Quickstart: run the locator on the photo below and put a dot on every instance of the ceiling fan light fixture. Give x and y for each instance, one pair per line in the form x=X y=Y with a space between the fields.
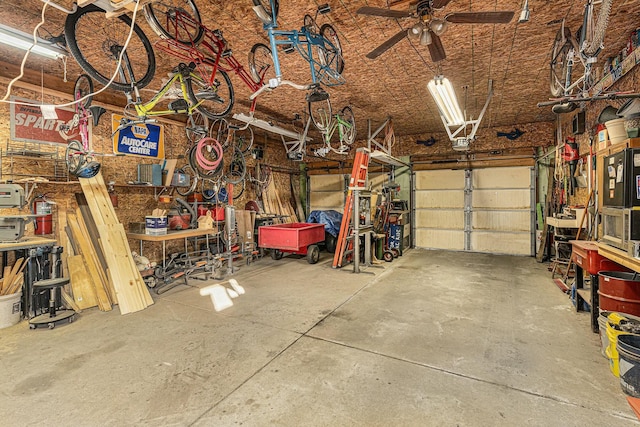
x=425 y=37
x=415 y=31
x=438 y=26
x=445 y=97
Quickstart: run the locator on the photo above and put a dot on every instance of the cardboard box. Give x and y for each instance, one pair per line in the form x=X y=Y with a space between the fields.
x=246 y=221
x=155 y=225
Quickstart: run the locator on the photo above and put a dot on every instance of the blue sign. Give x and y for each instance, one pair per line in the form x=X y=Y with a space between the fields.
x=146 y=139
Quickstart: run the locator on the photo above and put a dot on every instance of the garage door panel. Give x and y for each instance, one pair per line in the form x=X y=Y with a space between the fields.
x=326 y=200
x=440 y=239
x=440 y=180
x=439 y=199
x=502 y=199
x=441 y=218
x=516 y=177
x=502 y=220
x=376 y=181
x=501 y=243
x=326 y=183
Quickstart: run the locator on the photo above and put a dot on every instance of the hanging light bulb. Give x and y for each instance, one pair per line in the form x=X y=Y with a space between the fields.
x=438 y=26
x=415 y=31
x=425 y=37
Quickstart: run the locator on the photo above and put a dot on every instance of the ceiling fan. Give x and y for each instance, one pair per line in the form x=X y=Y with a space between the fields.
x=428 y=29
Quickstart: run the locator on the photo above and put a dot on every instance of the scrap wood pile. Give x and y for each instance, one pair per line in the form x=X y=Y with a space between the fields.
x=12 y=278
x=274 y=202
x=101 y=268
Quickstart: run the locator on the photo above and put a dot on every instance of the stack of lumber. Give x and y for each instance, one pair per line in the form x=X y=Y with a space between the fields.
x=12 y=278
x=89 y=282
x=275 y=204
x=127 y=285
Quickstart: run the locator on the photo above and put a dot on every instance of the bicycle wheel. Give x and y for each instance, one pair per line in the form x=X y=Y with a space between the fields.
x=593 y=29
x=219 y=130
x=310 y=24
x=269 y=6
x=238 y=190
x=193 y=180
x=96 y=43
x=331 y=55
x=559 y=66
x=82 y=88
x=243 y=139
x=261 y=63
x=214 y=100
x=237 y=168
x=167 y=19
x=320 y=112
x=197 y=127
x=74 y=156
x=348 y=131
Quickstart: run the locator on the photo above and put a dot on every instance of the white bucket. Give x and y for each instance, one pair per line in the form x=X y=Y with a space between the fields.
x=616 y=130
x=10 y=309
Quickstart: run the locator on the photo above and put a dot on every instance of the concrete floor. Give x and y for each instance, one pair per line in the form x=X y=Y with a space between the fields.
x=433 y=338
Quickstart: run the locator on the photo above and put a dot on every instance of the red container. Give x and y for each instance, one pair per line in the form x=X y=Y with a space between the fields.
x=217 y=213
x=619 y=291
x=294 y=237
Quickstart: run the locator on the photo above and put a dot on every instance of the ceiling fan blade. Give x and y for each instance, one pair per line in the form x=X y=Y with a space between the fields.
x=387 y=45
x=436 y=49
x=437 y=4
x=503 y=17
x=387 y=13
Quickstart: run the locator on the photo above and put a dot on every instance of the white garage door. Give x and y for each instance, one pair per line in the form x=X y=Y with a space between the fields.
x=326 y=192
x=483 y=210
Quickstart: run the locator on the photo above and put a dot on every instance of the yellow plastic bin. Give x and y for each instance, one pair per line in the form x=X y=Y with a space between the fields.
x=614 y=330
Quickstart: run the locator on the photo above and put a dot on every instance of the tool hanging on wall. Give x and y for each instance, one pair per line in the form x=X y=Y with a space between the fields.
x=571 y=154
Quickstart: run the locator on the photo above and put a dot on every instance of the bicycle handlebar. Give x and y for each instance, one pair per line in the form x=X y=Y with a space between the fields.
x=125 y=123
x=274 y=83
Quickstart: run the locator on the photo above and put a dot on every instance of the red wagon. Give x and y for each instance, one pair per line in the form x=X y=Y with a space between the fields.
x=297 y=238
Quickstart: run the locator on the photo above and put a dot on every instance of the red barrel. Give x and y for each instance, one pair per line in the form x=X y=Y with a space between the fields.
x=619 y=291
x=44 y=224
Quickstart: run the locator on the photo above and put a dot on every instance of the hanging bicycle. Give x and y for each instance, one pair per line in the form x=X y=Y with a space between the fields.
x=320 y=47
x=572 y=58
x=344 y=123
x=79 y=158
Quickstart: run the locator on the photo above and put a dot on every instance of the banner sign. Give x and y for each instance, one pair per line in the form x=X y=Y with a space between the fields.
x=145 y=140
x=29 y=125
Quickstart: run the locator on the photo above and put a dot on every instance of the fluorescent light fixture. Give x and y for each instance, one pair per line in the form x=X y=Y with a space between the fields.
x=24 y=41
x=524 y=14
x=445 y=97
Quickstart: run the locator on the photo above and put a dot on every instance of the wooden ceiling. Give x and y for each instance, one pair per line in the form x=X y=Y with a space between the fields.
x=513 y=56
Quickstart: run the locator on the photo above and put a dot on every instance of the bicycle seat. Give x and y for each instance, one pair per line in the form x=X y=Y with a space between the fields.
x=317 y=96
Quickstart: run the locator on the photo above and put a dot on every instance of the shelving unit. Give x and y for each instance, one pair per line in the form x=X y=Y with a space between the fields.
x=15 y=153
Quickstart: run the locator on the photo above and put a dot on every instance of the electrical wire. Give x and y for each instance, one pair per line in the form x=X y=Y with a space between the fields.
x=35 y=41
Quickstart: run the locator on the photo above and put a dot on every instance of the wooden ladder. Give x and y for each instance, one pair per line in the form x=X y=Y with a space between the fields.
x=344 y=244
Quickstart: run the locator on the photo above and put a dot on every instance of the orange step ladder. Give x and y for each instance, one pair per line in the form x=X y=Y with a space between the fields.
x=344 y=244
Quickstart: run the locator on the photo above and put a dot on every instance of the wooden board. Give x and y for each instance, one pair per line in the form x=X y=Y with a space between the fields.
x=128 y=287
x=84 y=294
x=93 y=267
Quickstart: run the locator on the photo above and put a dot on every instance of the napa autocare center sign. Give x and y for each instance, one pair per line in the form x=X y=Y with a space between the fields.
x=146 y=139
x=28 y=124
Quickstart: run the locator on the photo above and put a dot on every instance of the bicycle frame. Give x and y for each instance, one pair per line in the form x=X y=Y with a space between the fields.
x=303 y=41
x=337 y=123
x=146 y=109
x=214 y=44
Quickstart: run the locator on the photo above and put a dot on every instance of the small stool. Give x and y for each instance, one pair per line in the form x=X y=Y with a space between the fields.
x=54 y=315
x=562 y=256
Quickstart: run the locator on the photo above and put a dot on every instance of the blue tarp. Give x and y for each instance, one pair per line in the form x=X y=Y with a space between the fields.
x=331 y=220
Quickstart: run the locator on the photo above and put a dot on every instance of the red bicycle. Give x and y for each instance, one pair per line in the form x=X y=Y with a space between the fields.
x=209 y=52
